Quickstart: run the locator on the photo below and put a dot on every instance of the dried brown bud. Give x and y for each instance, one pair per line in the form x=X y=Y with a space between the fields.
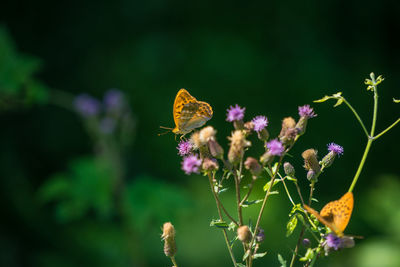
x=253 y=165
x=206 y=134
x=169 y=239
x=244 y=234
x=215 y=149
x=238 y=143
x=210 y=164
x=195 y=140
x=287 y=123
x=311 y=161
x=249 y=126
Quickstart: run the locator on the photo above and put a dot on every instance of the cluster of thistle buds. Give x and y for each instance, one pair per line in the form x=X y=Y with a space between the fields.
x=201 y=151
x=315 y=167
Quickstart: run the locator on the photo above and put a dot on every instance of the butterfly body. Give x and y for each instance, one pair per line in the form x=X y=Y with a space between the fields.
x=336 y=214
x=189 y=113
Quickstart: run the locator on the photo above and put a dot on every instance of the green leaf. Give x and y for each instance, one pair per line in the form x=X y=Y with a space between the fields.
x=240 y=264
x=259 y=255
x=267 y=185
x=309 y=255
x=223 y=190
x=281 y=260
x=248 y=203
x=396 y=100
x=232 y=226
x=218 y=223
x=291 y=225
x=246 y=255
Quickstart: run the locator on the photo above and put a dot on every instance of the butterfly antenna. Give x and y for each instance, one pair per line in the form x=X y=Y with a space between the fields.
x=162 y=127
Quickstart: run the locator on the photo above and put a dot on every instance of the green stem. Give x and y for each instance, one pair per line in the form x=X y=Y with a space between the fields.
x=220 y=217
x=370 y=140
x=286 y=189
x=262 y=209
x=174 y=261
x=357 y=116
x=387 y=129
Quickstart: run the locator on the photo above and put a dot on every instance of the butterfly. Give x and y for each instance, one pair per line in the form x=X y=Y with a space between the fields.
x=189 y=113
x=336 y=214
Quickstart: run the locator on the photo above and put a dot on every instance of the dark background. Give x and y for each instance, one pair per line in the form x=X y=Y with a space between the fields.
x=269 y=57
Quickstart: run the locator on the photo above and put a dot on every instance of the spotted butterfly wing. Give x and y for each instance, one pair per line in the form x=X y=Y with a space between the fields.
x=336 y=214
x=189 y=113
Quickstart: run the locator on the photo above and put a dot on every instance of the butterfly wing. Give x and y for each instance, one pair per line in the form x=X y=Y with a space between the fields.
x=336 y=214
x=182 y=99
x=194 y=115
x=343 y=210
x=328 y=221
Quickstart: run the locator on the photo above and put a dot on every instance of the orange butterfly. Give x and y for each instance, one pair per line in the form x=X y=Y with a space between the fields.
x=189 y=113
x=336 y=214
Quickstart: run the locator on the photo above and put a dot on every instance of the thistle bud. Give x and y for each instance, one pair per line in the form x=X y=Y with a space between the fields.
x=287 y=123
x=206 y=134
x=263 y=135
x=312 y=176
x=253 y=165
x=210 y=164
x=195 y=140
x=289 y=169
x=334 y=150
x=305 y=112
x=169 y=239
x=215 y=149
x=248 y=127
x=311 y=161
x=238 y=143
x=306 y=242
x=244 y=234
x=238 y=125
x=266 y=158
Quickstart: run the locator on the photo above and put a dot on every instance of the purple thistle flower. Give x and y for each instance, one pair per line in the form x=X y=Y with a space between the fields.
x=235 y=113
x=107 y=125
x=335 y=148
x=191 y=164
x=260 y=122
x=275 y=147
x=113 y=99
x=333 y=241
x=307 y=111
x=86 y=105
x=184 y=148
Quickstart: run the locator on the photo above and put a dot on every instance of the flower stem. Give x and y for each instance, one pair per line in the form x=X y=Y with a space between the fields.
x=262 y=209
x=387 y=129
x=174 y=261
x=210 y=179
x=370 y=139
x=357 y=116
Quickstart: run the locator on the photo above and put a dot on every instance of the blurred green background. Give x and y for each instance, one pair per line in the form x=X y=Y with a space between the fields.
x=72 y=196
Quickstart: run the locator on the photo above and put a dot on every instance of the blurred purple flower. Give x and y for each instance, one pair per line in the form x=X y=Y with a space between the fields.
x=86 y=105
x=275 y=147
x=307 y=111
x=333 y=241
x=184 y=148
x=107 y=125
x=260 y=122
x=191 y=164
x=113 y=99
x=335 y=148
x=235 y=113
